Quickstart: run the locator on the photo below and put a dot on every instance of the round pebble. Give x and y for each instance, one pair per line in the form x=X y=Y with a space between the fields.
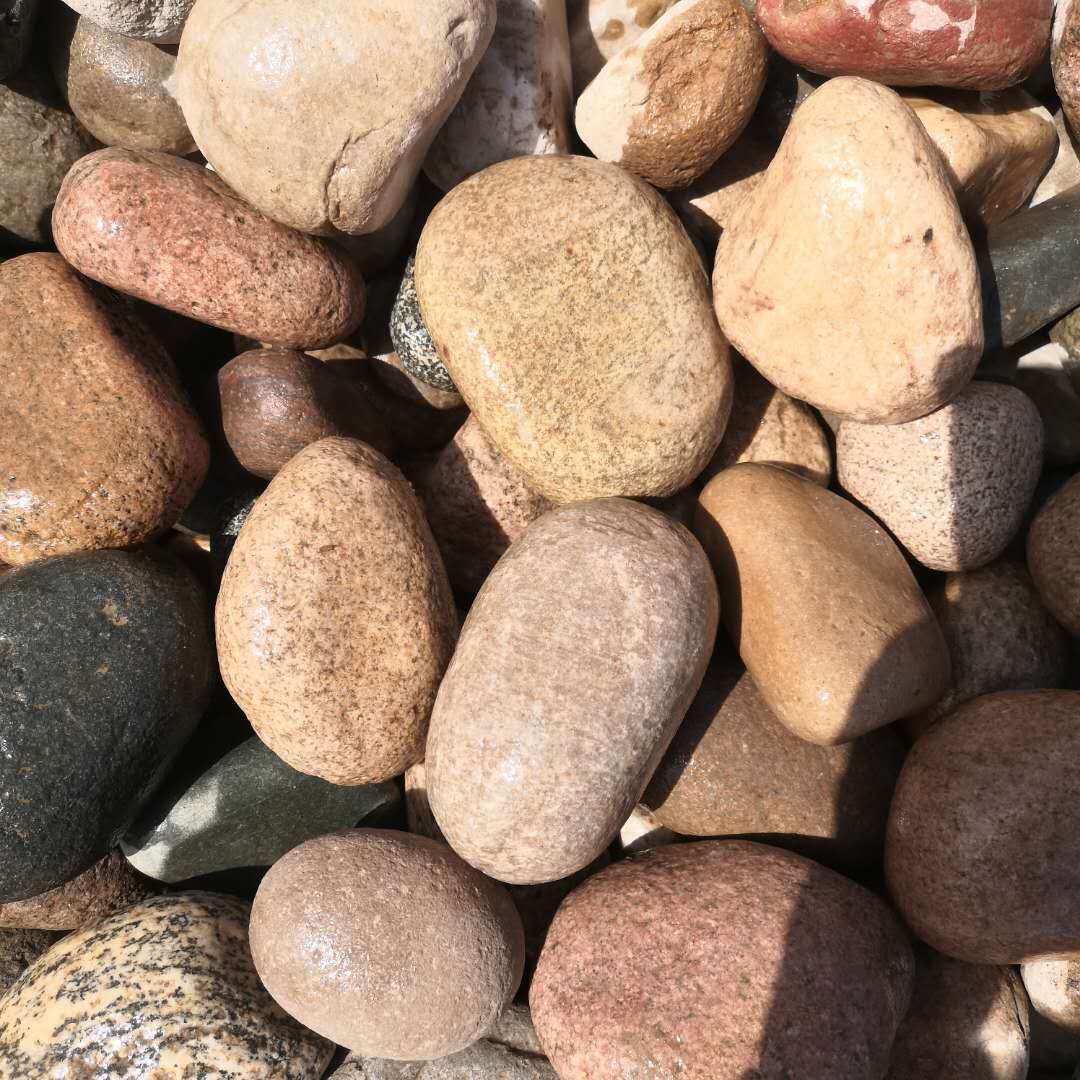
x=412 y=342
x=1054 y=558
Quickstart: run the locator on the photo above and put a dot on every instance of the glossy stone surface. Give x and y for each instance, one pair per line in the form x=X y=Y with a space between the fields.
x=152 y=20
x=1053 y=557
x=17 y=18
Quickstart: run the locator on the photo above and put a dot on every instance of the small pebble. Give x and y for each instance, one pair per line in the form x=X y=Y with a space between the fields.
x=601 y=28
x=1054 y=989
x=412 y=342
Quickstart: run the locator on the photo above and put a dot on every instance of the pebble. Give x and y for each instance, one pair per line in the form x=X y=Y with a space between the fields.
x=164 y=989
x=884 y=322
x=107 y=451
x=1054 y=558
x=335 y=620
x=160 y=21
x=1054 y=989
x=18 y=950
x=659 y=966
x=540 y=794
x=1065 y=59
x=17 y=19
x=105 y=668
x=981 y=852
x=335 y=945
x=412 y=342
x=642 y=831
x=667 y=106
x=571 y=311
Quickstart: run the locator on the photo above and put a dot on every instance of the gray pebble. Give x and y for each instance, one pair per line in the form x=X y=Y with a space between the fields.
x=411 y=339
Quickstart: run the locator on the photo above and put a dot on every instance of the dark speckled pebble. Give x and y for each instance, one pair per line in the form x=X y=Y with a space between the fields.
x=19 y=949
x=411 y=339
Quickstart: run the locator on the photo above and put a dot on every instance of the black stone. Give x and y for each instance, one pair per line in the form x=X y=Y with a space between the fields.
x=411 y=339
x=106 y=664
x=16 y=32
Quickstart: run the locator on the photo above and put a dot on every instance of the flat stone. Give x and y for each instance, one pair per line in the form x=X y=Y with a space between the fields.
x=165 y=988
x=1054 y=989
x=171 y=232
x=161 y=21
x=1065 y=58
x=1065 y=171
x=540 y=794
x=18 y=950
x=660 y=965
x=412 y=342
x=1045 y=375
x=601 y=28
x=17 y=18
x=885 y=324
x=105 y=668
x=1054 y=558
x=981 y=855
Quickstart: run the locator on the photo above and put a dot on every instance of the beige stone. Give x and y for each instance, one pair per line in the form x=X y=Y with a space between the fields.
x=1053 y=555
x=572 y=313
x=1065 y=171
x=642 y=831
x=161 y=21
x=1054 y=989
x=320 y=114
x=848 y=279
x=601 y=28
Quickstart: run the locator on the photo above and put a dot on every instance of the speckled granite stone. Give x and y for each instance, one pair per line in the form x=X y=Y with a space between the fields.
x=17 y=19
x=18 y=950
x=411 y=339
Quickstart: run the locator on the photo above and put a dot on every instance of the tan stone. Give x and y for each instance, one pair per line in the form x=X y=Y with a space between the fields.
x=1054 y=989
x=820 y=603
x=599 y=29
x=1053 y=555
x=1065 y=172
x=848 y=279
x=161 y=21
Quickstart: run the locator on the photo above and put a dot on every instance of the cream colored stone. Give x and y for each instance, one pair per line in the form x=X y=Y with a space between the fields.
x=161 y=21
x=1054 y=989
x=1065 y=172
x=601 y=28
x=642 y=832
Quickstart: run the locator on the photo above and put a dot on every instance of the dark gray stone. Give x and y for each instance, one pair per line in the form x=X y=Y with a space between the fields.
x=17 y=19
x=19 y=949
x=411 y=339
x=106 y=665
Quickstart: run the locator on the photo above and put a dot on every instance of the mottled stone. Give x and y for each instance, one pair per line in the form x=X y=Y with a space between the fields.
x=1054 y=989
x=106 y=451
x=160 y=21
x=539 y=794
x=659 y=966
x=17 y=18
x=164 y=989
x=1053 y=555
x=601 y=28
x=1065 y=59
x=1065 y=171
x=171 y=232
x=981 y=855
x=18 y=950
x=1044 y=375
x=411 y=339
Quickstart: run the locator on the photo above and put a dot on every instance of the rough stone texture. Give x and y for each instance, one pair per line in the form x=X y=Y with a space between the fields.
x=1044 y=375
x=601 y=28
x=335 y=944
x=171 y=232
x=820 y=603
x=104 y=452
x=1053 y=555
x=114 y=85
x=659 y=966
x=966 y=1022
x=105 y=668
x=667 y=106
x=981 y=853
x=1065 y=59
x=159 y=21
x=952 y=487
x=518 y=99
x=540 y=795
x=1065 y=171
x=1054 y=989
x=885 y=324
x=734 y=770
x=17 y=18
x=572 y=313
x=333 y=129
x=974 y=44
x=335 y=620
x=274 y=402
x=18 y=950
x=412 y=342
x=164 y=989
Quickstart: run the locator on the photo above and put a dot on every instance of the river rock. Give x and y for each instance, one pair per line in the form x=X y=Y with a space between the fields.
x=166 y=988
x=571 y=311
x=412 y=342
x=335 y=621
x=1054 y=558
x=974 y=44
x=1054 y=989
x=667 y=106
x=978 y=868
x=107 y=451
x=856 y=177
x=17 y=19
x=659 y=964
x=160 y=21
x=599 y=29
x=771 y=533
x=18 y=950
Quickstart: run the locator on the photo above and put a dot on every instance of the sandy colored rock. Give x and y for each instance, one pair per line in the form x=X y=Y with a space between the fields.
x=539 y=793
x=1054 y=989
x=601 y=28
x=667 y=106
x=885 y=321
x=114 y=85
x=160 y=21
x=660 y=965
x=171 y=232
x=1053 y=556
x=981 y=852
x=572 y=312
x=333 y=129
x=952 y=487
x=104 y=452
x=1065 y=59
x=335 y=620
x=1065 y=171
x=410 y=981
x=18 y=950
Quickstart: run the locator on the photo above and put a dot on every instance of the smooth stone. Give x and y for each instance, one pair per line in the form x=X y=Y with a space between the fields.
x=973 y=44
x=107 y=451
x=572 y=313
x=109 y=886
x=335 y=621
x=1054 y=989
x=332 y=132
x=171 y=232
x=246 y=810
x=667 y=106
x=885 y=324
x=426 y=952
x=1065 y=171
x=981 y=853
x=391 y=373
x=734 y=770
x=952 y=487
x=540 y=794
x=660 y=966
x=854 y=644
x=18 y=950
x=966 y=1022
x=1044 y=375
x=1065 y=59
x=412 y=342
x=642 y=831
x=1053 y=556
x=274 y=402
x=164 y=989
x=518 y=100
x=105 y=668
x=160 y=21
x=599 y=29
x=114 y=85
x=17 y=19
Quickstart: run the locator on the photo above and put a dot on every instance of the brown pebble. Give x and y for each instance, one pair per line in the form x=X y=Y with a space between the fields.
x=1053 y=555
x=18 y=950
